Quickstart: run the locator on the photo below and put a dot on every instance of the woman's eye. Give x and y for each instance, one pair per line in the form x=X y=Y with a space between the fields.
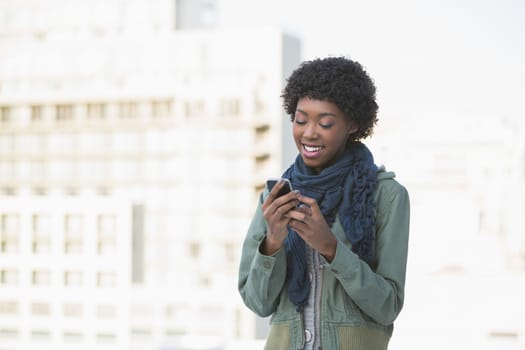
x=326 y=126
x=300 y=122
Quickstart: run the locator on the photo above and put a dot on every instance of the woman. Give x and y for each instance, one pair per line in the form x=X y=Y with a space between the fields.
x=328 y=260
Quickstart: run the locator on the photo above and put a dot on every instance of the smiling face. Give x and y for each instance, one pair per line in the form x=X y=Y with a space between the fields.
x=320 y=131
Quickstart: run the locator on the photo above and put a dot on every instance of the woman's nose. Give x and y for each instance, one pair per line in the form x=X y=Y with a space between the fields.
x=310 y=131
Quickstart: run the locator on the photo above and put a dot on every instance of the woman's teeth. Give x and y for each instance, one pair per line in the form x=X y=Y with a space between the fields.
x=312 y=149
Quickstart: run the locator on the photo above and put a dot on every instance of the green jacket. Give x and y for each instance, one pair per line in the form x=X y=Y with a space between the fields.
x=358 y=305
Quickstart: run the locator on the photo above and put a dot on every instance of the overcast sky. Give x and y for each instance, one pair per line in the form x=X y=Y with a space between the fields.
x=428 y=58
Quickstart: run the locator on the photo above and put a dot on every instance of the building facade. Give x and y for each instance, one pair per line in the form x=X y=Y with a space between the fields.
x=131 y=156
x=465 y=276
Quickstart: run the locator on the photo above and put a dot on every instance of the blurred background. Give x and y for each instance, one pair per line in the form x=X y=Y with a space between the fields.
x=135 y=136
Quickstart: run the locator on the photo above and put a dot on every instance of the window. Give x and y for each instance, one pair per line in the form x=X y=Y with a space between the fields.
x=41 y=233
x=106 y=337
x=40 y=191
x=160 y=109
x=8 y=191
x=128 y=110
x=41 y=278
x=73 y=278
x=40 y=309
x=64 y=112
x=40 y=334
x=73 y=233
x=174 y=332
x=73 y=336
x=261 y=161
x=106 y=279
x=37 y=113
x=230 y=107
x=106 y=224
x=103 y=191
x=194 y=249
x=96 y=111
x=138 y=334
x=8 y=277
x=193 y=108
x=73 y=310
x=169 y=310
x=106 y=243
x=261 y=132
x=8 y=307
x=205 y=281
x=141 y=311
x=9 y=233
x=106 y=311
x=179 y=313
x=8 y=333
x=71 y=191
x=5 y=114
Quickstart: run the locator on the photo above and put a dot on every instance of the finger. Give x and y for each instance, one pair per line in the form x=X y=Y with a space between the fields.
x=307 y=200
x=291 y=196
x=289 y=199
x=304 y=208
x=296 y=214
x=279 y=200
x=298 y=226
x=283 y=209
x=312 y=203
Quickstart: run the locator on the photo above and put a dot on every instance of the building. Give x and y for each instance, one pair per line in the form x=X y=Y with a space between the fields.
x=131 y=155
x=470 y=169
x=466 y=179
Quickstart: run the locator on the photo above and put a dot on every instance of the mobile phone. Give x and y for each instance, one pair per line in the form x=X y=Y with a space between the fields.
x=284 y=190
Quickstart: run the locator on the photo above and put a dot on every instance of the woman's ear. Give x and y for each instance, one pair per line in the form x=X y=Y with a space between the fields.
x=352 y=128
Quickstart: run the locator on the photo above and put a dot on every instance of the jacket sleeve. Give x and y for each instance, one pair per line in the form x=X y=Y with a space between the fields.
x=379 y=294
x=261 y=277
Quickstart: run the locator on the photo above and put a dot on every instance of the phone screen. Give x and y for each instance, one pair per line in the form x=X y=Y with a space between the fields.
x=284 y=190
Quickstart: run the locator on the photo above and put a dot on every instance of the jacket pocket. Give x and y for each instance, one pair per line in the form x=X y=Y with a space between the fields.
x=278 y=337
x=362 y=338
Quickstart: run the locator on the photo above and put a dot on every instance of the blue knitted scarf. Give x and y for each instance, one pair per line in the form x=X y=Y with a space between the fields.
x=344 y=189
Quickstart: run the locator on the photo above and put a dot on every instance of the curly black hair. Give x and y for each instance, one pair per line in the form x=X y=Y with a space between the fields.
x=339 y=80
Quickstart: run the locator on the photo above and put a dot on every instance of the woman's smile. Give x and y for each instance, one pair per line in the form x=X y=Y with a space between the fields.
x=311 y=151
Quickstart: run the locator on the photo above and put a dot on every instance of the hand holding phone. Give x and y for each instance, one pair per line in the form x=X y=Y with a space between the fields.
x=287 y=187
x=274 y=212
